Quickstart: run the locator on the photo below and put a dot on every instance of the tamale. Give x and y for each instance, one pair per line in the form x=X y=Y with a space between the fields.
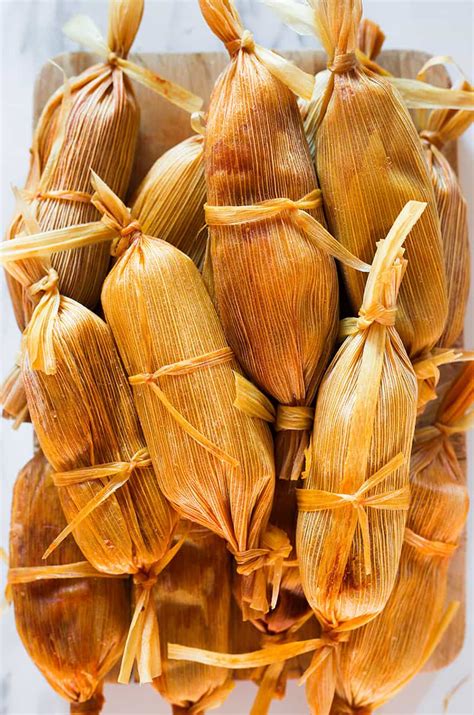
x=274 y=286
x=83 y=413
x=169 y=202
x=353 y=506
x=438 y=128
x=91 y=122
x=184 y=380
x=369 y=162
x=414 y=619
x=192 y=599
x=73 y=626
x=442 y=126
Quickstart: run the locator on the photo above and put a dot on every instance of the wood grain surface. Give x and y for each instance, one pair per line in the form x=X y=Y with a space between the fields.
x=163 y=126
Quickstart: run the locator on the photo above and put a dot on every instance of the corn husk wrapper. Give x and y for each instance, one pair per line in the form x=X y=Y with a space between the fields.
x=369 y=162
x=441 y=127
x=415 y=617
x=183 y=377
x=274 y=289
x=192 y=599
x=82 y=409
x=353 y=506
x=169 y=203
x=91 y=122
x=74 y=629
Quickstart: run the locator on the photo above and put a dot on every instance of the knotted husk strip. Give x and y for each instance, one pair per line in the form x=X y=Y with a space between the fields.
x=87 y=426
x=169 y=203
x=369 y=673
x=192 y=601
x=427 y=371
x=275 y=290
x=441 y=127
x=74 y=629
x=353 y=505
x=181 y=369
x=369 y=161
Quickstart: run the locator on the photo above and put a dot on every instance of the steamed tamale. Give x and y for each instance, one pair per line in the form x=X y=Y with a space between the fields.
x=184 y=377
x=192 y=599
x=170 y=200
x=274 y=289
x=91 y=122
x=83 y=413
x=353 y=506
x=440 y=127
x=369 y=671
x=72 y=626
x=369 y=162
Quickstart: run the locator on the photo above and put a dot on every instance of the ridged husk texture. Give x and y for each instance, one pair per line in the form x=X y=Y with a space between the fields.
x=370 y=673
x=95 y=119
x=213 y=462
x=369 y=162
x=443 y=126
x=192 y=599
x=73 y=629
x=365 y=417
x=275 y=291
x=169 y=203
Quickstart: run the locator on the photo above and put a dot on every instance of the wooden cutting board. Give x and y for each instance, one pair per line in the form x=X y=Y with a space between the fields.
x=163 y=126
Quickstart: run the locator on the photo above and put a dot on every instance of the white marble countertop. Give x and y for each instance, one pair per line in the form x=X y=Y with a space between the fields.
x=30 y=35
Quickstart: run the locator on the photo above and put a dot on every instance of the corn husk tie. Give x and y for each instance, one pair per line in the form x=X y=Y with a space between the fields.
x=120 y=473
x=312 y=21
x=83 y=30
x=225 y=22
x=275 y=548
x=428 y=373
x=270 y=655
x=143 y=640
x=295 y=210
x=427 y=547
x=249 y=399
x=399 y=499
x=31 y=574
x=184 y=367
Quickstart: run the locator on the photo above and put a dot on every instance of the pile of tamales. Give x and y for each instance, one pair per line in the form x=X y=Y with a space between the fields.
x=248 y=454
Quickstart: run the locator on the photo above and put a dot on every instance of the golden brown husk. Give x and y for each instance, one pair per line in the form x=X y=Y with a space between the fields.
x=13 y=398
x=275 y=291
x=192 y=600
x=74 y=629
x=441 y=127
x=169 y=203
x=370 y=673
x=84 y=416
x=100 y=133
x=160 y=313
x=365 y=417
x=369 y=162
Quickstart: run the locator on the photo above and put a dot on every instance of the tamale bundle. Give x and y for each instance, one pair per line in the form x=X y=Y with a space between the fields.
x=72 y=621
x=369 y=162
x=192 y=600
x=353 y=506
x=440 y=127
x=91 y=122
x=184 y=380
x=369 y=672
x=83 y=413
x=274 y=285
x=169 y=203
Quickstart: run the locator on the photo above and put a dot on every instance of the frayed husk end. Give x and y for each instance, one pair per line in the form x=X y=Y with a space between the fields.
x=370 y=38
x=321 y=686
x=290 y=449
x=125 y=17
x=13 y=398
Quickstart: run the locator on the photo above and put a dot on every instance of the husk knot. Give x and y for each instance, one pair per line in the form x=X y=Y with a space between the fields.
x=294 y=417
x=343 y=63
x=48 y=284
x=377 y=313
x=433 y=137
x=112 y=59
x=244 y=42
